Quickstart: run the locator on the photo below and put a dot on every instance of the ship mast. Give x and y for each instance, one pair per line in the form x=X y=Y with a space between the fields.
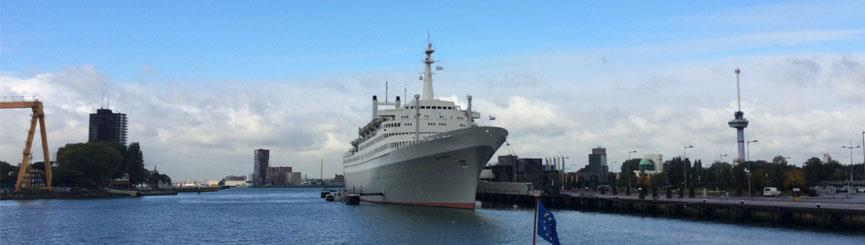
x=427 y=72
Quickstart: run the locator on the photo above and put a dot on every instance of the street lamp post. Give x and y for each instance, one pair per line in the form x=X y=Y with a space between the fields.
x=684 y=164
x=748 y=149
x=718 y=172
x=630 y=172
x=850 y=147
x=563 y=173
x=748 y=173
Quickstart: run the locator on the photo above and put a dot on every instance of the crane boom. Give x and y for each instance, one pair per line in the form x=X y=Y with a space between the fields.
x=38 y=117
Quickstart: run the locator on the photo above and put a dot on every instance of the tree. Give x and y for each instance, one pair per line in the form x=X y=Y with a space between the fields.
x=793 y=179
x=779 y=160
x=674 y=169
x=740 y=178
x=812 y=169
x=8 y=174
x=153 y=179
x=719 y=176
x=758 y=179
x=88 y=164
x=134 y=164
x=696 y=175
x=627 y=170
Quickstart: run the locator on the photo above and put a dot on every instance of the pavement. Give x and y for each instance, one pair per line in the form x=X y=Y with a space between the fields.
x=854 y=201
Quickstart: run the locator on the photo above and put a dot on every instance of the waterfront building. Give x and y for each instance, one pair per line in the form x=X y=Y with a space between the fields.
x=235 y=178
x=511 y=168
x=651 y=164
x=234 y=181
x=294 y=178
x=597 y=172
x=261 y=163
x=107 y=126
x=278 y=176
x=339 y=179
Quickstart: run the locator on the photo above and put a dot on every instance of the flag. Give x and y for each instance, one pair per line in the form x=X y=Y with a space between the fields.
x=439 y=68
x=547 y=225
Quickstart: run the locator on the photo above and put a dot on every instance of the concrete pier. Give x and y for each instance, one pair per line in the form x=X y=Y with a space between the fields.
x=831 y=215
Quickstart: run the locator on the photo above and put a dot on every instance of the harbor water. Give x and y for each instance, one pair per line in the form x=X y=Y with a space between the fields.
x=300 y=216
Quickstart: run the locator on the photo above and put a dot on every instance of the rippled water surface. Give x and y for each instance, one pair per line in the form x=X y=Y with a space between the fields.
x=299 y=216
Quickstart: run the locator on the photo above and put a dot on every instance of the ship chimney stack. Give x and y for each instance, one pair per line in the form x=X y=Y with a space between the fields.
x=398 y=102
x=469 y=114
x=374 y=107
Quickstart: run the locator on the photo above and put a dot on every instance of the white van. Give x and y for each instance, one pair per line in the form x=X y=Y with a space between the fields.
x=771 y=192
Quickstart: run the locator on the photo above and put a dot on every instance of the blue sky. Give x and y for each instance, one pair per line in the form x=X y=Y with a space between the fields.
x=206 y=82
x=266 y=40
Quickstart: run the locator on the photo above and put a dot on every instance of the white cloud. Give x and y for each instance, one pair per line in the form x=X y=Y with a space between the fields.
x=799 y=105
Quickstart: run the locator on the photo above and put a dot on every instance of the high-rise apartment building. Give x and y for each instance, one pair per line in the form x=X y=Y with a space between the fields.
x=107 y=126
x=261 y=164
x=596 y=173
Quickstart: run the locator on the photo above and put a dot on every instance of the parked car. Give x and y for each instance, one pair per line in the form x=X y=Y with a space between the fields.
x=771 y=192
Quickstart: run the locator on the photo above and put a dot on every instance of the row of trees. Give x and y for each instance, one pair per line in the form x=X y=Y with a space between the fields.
x=96 y=163
x=728 y=177
x=93 y=164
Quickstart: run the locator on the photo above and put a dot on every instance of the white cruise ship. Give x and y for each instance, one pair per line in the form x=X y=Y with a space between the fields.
x=427 y=152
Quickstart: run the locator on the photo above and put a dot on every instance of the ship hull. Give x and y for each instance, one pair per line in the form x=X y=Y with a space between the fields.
x=442 y=172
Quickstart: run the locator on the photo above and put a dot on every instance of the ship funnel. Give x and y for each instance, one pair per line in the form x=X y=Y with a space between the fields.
x=398 y=102
x=374 y=107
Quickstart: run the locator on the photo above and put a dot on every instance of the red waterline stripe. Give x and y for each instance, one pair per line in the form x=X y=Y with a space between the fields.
x=470 y=206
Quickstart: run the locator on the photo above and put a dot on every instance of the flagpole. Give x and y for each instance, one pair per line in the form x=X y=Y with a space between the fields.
x=535 y=227
x=536 y=194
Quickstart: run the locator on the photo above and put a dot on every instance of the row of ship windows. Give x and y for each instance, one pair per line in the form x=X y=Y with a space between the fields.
x=384 y=136
x=393 y=125
x=393 y=145
x=434 y=107
x=377 y=150
x=427 y=116
x=390 y=125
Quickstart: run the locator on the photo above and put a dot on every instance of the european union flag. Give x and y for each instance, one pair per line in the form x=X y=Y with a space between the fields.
x=547 y=225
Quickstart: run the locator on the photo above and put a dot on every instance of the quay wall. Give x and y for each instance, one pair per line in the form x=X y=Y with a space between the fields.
x=788 y=216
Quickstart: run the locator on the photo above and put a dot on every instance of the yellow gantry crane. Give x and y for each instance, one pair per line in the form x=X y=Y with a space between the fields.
x=38 y=116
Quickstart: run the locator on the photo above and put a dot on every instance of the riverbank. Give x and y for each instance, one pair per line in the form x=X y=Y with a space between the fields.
x=85 y=194
x=89 y=194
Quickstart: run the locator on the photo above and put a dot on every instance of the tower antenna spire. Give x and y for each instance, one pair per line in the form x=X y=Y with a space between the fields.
x=738 y=90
